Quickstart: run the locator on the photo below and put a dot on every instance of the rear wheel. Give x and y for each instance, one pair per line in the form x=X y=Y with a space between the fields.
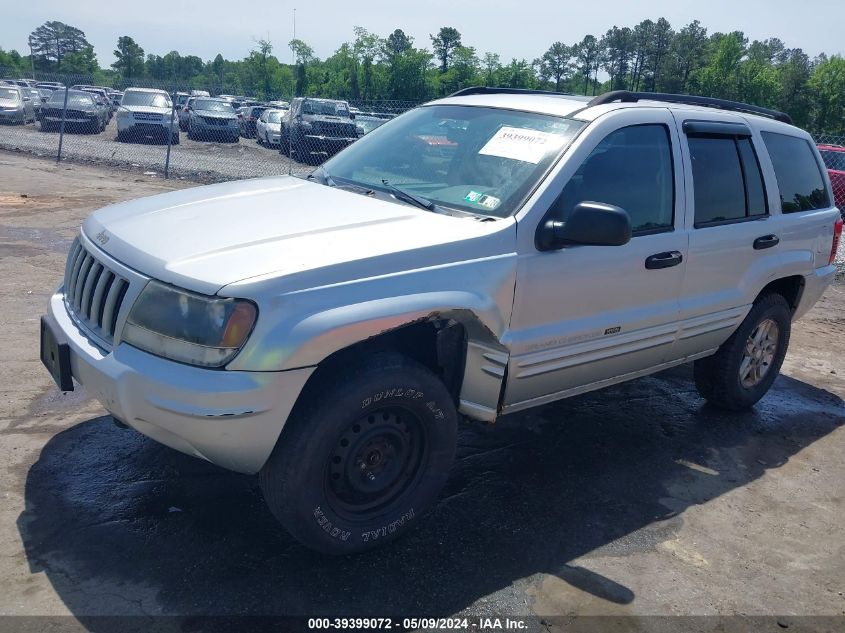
x=746 y=365
x=361 y=460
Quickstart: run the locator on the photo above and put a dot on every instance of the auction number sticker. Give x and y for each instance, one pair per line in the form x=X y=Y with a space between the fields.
x=521 y=144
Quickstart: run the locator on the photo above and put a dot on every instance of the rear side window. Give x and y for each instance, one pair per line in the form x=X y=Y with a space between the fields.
x=727 y=180
x=798 y=173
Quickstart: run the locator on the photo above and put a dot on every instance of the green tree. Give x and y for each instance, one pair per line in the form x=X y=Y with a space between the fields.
x=687 y=55
x=53 y=40
x=588 y=61
x=82 y=62
x=556 y=62
x=444 y=43
x=828 y=85
x=492 y=66
x=130 y=57
x=720 y=78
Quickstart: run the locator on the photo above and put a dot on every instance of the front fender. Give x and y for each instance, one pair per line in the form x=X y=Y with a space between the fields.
x=300 y=329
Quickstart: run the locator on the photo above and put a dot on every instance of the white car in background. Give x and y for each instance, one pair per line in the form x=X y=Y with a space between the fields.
x=145 y=113
x=268 y=128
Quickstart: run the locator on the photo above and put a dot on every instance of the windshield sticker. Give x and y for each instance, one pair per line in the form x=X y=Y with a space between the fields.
x=490 y=202
x=521 y=144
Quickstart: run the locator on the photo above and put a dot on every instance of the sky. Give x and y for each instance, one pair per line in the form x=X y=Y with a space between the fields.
x=523 y=29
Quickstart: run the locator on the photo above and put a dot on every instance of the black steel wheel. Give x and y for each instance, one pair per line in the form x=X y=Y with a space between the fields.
x=364 y=454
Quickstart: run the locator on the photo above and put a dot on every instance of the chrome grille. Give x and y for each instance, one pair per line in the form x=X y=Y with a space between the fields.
x=147 y=116
x=93 y=292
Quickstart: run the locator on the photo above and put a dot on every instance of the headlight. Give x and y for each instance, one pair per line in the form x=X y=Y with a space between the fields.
x=306 y=125
x=124 y=114
x=188 y=327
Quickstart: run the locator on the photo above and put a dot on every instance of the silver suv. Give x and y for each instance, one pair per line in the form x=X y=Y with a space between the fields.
x=479 y=255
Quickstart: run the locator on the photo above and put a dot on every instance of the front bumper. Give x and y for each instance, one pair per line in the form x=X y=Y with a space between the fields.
x=12 y=115
x=230 y=418
x=147 y=128
x=201 y=127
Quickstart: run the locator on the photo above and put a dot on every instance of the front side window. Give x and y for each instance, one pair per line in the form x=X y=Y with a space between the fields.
x=477 y=159
x=798 y=173
x=727 y=181
x=632 y=169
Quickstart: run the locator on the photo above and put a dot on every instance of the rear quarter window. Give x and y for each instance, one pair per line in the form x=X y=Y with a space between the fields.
x=799 y=175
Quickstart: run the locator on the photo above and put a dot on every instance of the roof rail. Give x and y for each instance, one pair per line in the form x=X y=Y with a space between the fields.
x=626 y=96
x=489 y=90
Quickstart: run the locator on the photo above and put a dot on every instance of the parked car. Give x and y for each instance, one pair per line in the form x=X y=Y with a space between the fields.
x=16 y=105
x=366 y=123
x=102 y=98
x=315 y=129
x=326 y=332
x=147 y=113
x=50 y=85
x=834 y=159
x=184 y=113
x=268 y=128
x=249 y=119
x=200 y=93
x=83 y=112
x=214 y=119
x=115 y=96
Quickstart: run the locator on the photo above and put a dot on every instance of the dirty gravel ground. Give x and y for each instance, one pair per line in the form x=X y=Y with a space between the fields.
x=635 y=500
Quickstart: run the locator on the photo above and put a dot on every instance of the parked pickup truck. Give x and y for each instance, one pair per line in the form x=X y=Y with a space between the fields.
x=328 y=332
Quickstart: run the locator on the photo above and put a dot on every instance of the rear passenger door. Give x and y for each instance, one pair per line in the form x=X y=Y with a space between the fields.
x=734 y=244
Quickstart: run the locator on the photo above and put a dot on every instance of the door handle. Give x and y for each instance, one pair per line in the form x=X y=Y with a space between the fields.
x=663 y=260
x=767 y=241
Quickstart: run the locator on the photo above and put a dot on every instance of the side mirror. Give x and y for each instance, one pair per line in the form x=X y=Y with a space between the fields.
x=27 y=99
x=590 y=223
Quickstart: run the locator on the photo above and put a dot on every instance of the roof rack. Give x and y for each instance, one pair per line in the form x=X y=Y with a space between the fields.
x=626 y=96
x=489 y=90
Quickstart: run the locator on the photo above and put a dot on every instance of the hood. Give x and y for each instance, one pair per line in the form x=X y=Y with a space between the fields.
x=205 y=238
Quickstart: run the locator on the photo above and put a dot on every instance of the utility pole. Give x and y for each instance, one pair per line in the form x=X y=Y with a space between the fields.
x=292 y=54
x=31 y=57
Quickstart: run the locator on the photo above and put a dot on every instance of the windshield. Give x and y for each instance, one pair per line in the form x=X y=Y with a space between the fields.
x=482 y=160
x=274 y=117
x=150 y=99
x=214 y=106
x=9 y=93
x=834 y=160
x=330 y=108
x=58 y=99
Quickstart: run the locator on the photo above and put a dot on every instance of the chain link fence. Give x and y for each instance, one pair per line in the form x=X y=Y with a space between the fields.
x=178 y=130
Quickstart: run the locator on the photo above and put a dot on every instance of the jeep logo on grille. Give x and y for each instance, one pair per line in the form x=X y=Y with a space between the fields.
x=101 y=237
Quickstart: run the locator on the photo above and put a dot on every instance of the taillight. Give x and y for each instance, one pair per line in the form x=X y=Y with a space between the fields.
x=837 y=235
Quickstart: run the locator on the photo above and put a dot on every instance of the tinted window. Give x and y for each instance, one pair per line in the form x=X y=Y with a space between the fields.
x=798 y=173
x=755 y=190
x=719 y=182
x=632 y=169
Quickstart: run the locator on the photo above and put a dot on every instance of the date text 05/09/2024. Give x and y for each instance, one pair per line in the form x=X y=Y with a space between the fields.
x=480 y=624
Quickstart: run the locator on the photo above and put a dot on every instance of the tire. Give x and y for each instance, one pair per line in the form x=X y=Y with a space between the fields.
x=174 y=138
x=121 y=137
x=316 y=482
x=191 y=134
x=718 y=378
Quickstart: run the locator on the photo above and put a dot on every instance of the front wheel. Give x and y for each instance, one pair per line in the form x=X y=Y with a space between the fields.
x=746 y=365
x=363 y=458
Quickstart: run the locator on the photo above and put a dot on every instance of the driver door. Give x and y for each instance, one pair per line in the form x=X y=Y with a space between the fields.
x=587 y=316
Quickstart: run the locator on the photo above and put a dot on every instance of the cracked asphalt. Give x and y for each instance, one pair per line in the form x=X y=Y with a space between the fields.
x=636 y=500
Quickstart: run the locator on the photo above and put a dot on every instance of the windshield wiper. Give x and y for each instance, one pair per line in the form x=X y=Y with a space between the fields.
x=405 y=196
x=329 y=181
